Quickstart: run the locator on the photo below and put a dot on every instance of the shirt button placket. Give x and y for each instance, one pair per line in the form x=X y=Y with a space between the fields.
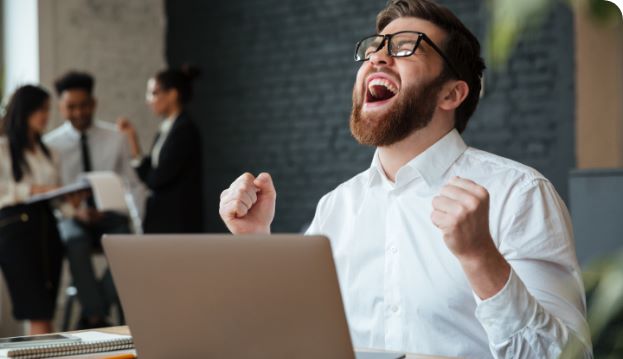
x=393 y=330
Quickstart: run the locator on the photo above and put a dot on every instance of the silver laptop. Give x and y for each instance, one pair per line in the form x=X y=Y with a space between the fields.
x=223 y=296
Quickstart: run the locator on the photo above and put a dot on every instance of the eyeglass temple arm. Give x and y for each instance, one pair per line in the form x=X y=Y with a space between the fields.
x=442 y=54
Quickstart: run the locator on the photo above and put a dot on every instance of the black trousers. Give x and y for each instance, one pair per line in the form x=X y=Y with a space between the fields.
x=96 y=295
x=31 y=255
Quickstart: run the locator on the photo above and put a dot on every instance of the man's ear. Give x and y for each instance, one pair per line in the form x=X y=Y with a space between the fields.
x=453 y=95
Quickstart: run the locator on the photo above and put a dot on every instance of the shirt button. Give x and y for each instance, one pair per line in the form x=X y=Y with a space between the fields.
x=393 y=249
x=394 y=308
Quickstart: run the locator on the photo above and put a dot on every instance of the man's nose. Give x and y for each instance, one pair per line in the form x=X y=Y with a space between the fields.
x=80 y=113
x=381 y=57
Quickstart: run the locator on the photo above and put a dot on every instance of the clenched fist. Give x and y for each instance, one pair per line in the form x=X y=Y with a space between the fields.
x=127 y=128
x=248 y=205
x=461 y=212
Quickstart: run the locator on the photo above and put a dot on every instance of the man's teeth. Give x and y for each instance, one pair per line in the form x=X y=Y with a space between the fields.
x=381 y=82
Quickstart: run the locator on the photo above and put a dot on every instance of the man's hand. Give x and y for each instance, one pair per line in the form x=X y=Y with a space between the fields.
x=83 y=214
x=40 y=189
x=88 y=215
x=248 y=205
x=461 y=212
x=76 y=198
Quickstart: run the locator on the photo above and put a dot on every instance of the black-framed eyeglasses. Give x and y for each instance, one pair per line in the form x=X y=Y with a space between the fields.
x=400 y=44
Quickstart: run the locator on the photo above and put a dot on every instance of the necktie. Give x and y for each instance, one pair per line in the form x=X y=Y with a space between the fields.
x=86 y=163
x=86 y=154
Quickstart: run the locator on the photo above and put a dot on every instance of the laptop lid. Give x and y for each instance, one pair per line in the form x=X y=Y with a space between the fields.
x=220 y=296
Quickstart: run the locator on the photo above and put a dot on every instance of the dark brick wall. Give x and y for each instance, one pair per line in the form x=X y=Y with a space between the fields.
x=275 y=95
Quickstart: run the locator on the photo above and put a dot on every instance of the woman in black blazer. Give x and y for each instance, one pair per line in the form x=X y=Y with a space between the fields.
x=172 y=169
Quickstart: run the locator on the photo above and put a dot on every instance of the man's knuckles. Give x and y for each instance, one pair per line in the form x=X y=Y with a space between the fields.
x=481 y=193
x=228 y=210
x=241 y=208
x=242 y=190
x=246 y=177
x=437 y=202
x=471 y=204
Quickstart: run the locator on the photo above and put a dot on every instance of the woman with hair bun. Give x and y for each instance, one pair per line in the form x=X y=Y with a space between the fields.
x=172 y=168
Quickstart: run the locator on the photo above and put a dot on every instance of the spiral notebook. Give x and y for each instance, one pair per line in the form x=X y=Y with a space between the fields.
x=91 y=342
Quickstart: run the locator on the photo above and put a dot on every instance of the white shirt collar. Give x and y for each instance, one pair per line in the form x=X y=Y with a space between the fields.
x=430 y=164
x=166 y=125
x=73 y=132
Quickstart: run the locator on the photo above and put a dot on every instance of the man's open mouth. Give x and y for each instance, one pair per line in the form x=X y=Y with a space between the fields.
x=380 y=90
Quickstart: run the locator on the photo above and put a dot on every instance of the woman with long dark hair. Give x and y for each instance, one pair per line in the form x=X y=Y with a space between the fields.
x=172 y=170
x=30 y=246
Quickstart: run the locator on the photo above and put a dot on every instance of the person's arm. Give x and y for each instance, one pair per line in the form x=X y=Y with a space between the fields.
x=317 y=225
x=140 y=165
x=125 y=127
x=529 y=292
x=136 y=192
x=143 y=169
x=67 y=206
x=12 y=192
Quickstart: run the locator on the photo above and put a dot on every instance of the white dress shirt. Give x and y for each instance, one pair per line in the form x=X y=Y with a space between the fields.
x=404 y=290
x=42 y=171
x=165 y=128
x=109 y=151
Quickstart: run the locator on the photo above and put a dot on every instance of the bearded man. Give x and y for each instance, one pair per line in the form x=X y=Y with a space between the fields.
x=440 y=248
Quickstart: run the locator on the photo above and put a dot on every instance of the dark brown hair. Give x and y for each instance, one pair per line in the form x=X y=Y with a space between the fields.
x=25 y=101
x=179 y=79
x=460 y=46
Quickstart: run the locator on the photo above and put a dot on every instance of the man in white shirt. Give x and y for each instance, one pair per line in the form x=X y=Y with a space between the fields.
x=83 y=146
x=440 y=248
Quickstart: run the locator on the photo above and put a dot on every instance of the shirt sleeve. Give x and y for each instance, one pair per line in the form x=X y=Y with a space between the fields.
x=316 y=226
x=64 y=209
x=11 y=192
x=541 y=311
x=137 y=193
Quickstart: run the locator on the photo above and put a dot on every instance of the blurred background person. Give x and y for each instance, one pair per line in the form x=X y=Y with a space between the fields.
x=30 y=247
x=85 y=145
x=172 y=169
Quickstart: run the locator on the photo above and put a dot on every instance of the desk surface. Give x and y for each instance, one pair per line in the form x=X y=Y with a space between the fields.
x=126 y=331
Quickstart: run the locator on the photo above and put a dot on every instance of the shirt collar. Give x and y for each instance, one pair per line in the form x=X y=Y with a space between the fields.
x=73 y=133
x=376 y=170
x=166 y=125
x=430 y=164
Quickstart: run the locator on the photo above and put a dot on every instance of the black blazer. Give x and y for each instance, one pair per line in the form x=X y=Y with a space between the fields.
x=175 y=203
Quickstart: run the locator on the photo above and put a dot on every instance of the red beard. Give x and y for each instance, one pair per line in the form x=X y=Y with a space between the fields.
x=413 y=109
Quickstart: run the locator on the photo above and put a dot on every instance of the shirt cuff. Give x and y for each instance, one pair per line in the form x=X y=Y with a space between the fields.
x=66 y=210
x=22 y=192
x=508 y=311
x=136 y=162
